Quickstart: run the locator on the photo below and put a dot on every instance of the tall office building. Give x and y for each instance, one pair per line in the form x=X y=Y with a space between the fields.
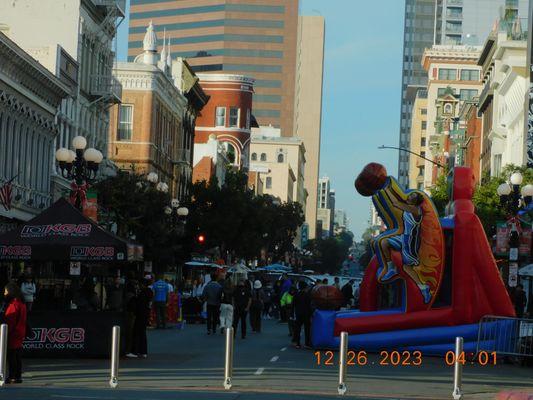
x=429 y=22
x=254 y=38
x=308 y=107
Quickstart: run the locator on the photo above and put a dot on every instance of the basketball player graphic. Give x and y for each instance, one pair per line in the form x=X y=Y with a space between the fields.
x=408 y=243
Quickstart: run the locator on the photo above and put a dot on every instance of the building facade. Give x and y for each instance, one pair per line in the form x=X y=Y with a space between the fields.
x=147 y=129
x=308 y=107
x=256 y=39
x=453 y=78
x=30 y=97
x=227 y=115
x=473 y=137
x=501 y=103
x=326 y=207
x=75 y=42
x=441 y=22
x=418 y=140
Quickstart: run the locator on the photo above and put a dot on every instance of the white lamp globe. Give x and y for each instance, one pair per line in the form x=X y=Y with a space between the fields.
x=99 y=157
x=62 y=154
x=152 y=177
x=504 y=189
x=183 y=211
x=175 y=203
x=72 y=156
x=168 y=210
x=90 y=154
x=527 y=191
x=79 y=143
x=516 y=178
x=162 y=187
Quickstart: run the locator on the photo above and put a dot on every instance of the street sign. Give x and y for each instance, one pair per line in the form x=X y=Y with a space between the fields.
x=513 y=274
x=513 y=254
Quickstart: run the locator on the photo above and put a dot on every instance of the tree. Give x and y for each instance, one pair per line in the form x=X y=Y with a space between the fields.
x=329 y=253
x=440 y=193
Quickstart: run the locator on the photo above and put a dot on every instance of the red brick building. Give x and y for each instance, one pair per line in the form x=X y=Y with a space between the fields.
x=226 y=117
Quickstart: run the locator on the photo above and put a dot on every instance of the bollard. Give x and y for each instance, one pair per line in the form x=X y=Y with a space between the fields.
x=458 y=370
x=342 y=363
x=115 y=355
x=228 y=362
x=3 y=353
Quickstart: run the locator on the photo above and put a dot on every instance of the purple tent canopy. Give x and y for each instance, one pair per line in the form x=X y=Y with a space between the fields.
x=63 y=233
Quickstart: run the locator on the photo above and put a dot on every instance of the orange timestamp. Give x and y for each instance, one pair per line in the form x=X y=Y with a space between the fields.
x=386 y=358
x=482 y=358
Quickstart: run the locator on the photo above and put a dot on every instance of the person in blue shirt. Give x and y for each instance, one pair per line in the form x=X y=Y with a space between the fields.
x=161 y=290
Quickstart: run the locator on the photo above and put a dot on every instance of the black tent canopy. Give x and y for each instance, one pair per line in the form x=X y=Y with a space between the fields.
x=63 y=233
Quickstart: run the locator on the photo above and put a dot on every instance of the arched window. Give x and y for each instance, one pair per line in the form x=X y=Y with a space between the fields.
x=281 y=158
x=254 y=156
x=263 y=157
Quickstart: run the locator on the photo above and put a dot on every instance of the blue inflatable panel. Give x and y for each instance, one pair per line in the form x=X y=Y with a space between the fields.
x=442 y=349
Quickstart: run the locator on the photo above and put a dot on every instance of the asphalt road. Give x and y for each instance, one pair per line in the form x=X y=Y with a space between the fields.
x=189 y=364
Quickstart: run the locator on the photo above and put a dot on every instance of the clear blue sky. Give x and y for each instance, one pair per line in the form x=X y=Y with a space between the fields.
x=361 y=99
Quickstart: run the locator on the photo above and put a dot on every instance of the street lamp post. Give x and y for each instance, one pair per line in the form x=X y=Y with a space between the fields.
x=80 y=166
x=514 y=199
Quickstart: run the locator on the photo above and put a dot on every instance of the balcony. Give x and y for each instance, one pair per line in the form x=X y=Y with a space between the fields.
x=485 y=97
x=113 y=6
x=106 y=87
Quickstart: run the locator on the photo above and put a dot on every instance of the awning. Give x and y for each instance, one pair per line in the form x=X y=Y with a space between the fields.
x=526 y=271
x=63 y=233
x=202 y=264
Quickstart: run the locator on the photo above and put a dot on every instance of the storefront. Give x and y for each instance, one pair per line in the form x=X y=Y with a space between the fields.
x=72 y=260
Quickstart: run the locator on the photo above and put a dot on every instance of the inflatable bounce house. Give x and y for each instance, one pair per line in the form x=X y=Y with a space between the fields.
x=444 y=269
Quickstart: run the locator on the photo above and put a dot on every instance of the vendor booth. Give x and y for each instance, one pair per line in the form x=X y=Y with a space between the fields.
x=71 y=259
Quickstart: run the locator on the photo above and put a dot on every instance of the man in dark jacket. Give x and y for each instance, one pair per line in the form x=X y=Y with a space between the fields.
x=242 y=299
x=347 y=292
x=302 y=312
x=212 y=295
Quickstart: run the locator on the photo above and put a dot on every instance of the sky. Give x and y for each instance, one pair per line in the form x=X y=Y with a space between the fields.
x=361 y=96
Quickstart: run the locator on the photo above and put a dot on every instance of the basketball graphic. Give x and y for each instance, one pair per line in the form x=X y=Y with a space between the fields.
x=371 y=179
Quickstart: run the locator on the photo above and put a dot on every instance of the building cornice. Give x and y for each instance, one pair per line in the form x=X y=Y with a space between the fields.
x=225 y=78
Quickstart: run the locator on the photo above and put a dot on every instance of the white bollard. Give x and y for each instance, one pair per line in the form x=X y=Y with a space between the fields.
x=3 y=354
x=228 y=362
x=458 y=370
x=343 y=351
x=115 y=355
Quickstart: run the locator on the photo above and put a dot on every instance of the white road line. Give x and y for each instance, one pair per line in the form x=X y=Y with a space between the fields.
x=274 y=359
x=64 y=396
x=259 y=371
x=283 y=349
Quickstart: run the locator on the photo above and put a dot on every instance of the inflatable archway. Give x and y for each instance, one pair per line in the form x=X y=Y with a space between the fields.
x=448 y=275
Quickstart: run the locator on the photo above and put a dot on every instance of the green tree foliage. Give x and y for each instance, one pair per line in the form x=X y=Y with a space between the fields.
x=329 y=253
x=440 y=194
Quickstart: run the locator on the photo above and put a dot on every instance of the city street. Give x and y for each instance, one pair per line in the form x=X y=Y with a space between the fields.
x=189 y=364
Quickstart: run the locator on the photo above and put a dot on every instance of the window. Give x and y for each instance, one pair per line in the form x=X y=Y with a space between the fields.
x=424 y=125
x=269 y=182
x=423 y=142
x=469 y=75
x=263 y=157
x=220 y=116
x=234 y=117
x=423 y=154
x=424 y=111
x=281 y=158
x=446 y=74
x=467 y=94
x=125 y=122
x=441 y=91
x=254 y=156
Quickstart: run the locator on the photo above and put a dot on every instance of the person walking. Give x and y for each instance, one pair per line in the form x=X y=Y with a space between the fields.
x=115 y=295
x=337 y=282
x=212 y=295
x=519 y=300
x=161 y=290
x=130 y=306
x=276 y=298
x=256 y=307
x=226 y=305
x=28 y=290
x=15 y=318
x=347 y=292
x=242 y=300
x=287 y=308
x=302 y=313
x=268 y=301
x=142 y=317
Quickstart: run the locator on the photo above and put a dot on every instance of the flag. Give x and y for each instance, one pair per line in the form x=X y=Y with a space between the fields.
x=5 y=194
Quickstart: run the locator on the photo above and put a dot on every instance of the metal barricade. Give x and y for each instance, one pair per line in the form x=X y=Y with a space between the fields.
x=505 y=336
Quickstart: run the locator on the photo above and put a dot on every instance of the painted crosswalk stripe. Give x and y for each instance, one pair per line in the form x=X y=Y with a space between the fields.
x=283 y=349
x=259 y=371
x=274 y=359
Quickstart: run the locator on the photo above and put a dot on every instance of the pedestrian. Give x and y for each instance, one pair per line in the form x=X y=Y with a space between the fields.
x=258 y=300
x=347 y=292
x=15 y=318
x=115 y=295
x=325 y=281
x=130 y=306
x=28 y=290
x=242 y=300
x=142 y=317
x=337 y=282
x=226 y=305
x=268 y=301
x=287 y=309
x=276 y=298
x=161 y=290
x=302 y=313
x=286 y=284
x=212 y=295
x=519 y=300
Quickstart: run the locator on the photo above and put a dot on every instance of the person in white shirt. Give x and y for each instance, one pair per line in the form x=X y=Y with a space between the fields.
x=28 y=290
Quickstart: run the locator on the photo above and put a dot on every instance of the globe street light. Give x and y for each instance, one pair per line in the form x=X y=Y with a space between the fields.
x=80 y=166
